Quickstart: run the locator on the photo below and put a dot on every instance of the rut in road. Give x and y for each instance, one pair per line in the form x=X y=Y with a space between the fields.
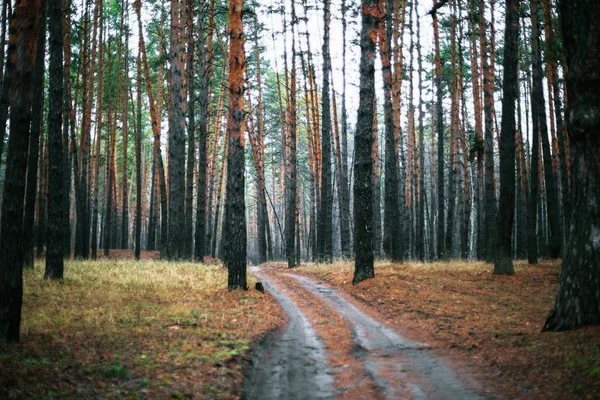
x=398 y=368
x=293 y=365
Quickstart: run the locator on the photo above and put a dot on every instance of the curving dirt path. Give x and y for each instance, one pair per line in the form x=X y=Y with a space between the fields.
x=293 y=365
x=299 y=365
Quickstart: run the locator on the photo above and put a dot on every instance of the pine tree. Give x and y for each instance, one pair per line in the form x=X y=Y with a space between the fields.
x=506 y=211
x=34 y=140
x=22 y=48
x=234 y=234
x=363 y=139
x=176 y=152
x=325 y=227
x=578 y=299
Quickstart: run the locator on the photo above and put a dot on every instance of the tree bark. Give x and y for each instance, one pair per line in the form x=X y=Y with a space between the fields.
x=391 y=227
x=203 y=73
x=539 y=107
x=23 y=42
x=138 y=162
x=34 y=140
x=325 y=215
x=578 y=298
x=291 y=190
x=56 y=233
x=489 y=193
x=506 y=211
x=176 y=151
x=363 y=164
x=125 y=122
x=439 y=119
x=234 y=235
x=99 y=112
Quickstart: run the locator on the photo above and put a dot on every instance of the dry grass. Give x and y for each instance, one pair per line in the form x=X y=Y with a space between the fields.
x=491 y=322
x=112 y=329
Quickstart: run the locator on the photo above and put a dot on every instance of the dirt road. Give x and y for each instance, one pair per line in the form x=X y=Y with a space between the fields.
x=356 y=357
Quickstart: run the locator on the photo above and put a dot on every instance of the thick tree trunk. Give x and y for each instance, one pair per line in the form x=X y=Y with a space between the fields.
x=506 y=212
x=176 y=151
x=22 y=42
x=34 y=141
x=56 y=233
x=578 y=298
x=363 y=164
x=67 y=184
x=234 y=234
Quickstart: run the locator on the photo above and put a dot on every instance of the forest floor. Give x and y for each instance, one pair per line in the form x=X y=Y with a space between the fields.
x=488 y=327
x=117 y=329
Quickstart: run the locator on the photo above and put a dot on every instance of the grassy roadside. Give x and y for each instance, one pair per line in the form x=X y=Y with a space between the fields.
x=491 y=322
x=121 y=329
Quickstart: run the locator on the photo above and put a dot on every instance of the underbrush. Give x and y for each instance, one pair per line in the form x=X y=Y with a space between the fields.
x=150 y=329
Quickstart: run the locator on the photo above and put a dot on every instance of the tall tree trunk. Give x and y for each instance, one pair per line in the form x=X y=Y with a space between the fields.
x=23 y=41
x=477 y=147
x=439 y=119
x=561 y=133
x=391 y=228
x=83 y=215
x=234 y=234
x=67 y=184
x=138 y=162
x=453 y=82
x=290 y=209
x=398 y=34
x=489 y=193
x=363 y=164
x=191 y=148
x=203 y=73
x=344 y=190
x=98 y=145
x=176 y=152
x=325 y=227
x=506 y=212
x=538 y=104
x=56 y=233
x=125 y=122
x=578 y=299
x=155 y=109
x=420 y=236
x=34 y=140
x=264 y=240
